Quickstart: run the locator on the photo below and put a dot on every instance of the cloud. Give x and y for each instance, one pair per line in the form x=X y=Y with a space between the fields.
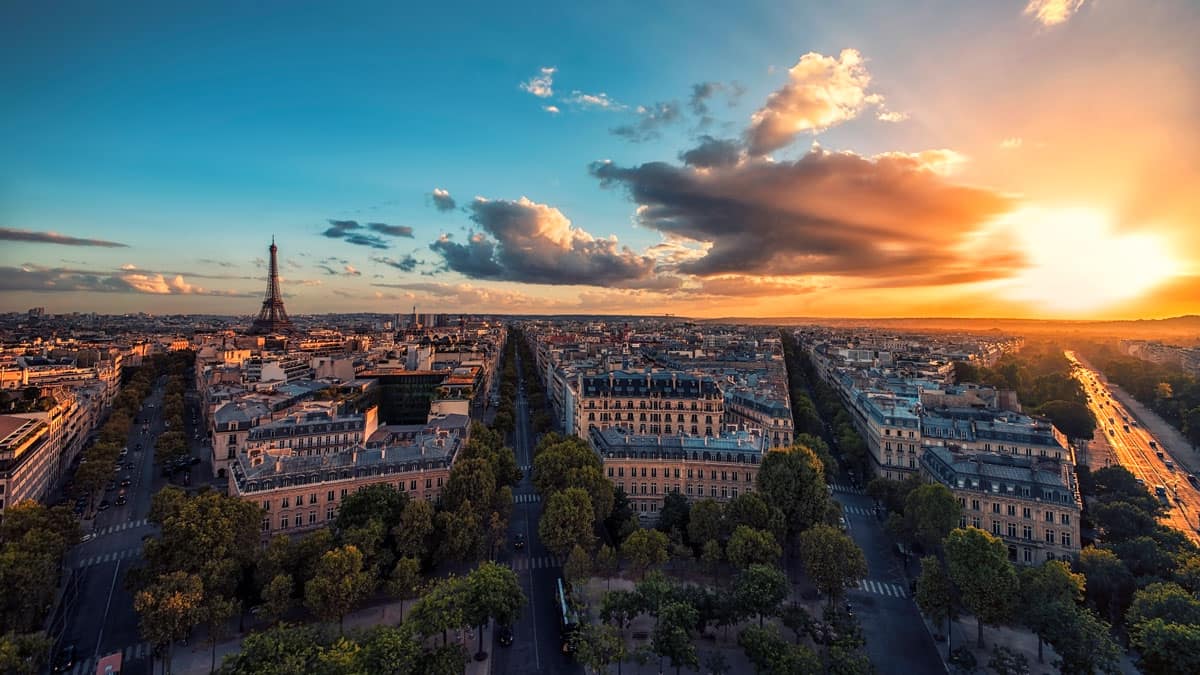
x=703 y=92
x=534 y=243
x=406 y=264
x=552 y=109
x=347 y=270
x=1011 y=143
x=821 y=92
x=442 y=200
x=712 y=152
x=650 y=119
x=218 y=263
x=1052 y=12
x=466 y=294
x=600 y=100
x=741 y=285
x=828 y=214
x=10 y=234
x=346 y=231
x=542 y=84
x=391 y=230
x=351 y=271
x=30 y=277
x=891 y=116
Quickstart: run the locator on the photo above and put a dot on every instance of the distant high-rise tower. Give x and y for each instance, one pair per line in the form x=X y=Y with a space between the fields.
x=272 y=318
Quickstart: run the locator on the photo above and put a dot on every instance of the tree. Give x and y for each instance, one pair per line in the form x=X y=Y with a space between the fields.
x=23 y=654
x=794 y=480
x=578 y=566
x=985 y=578
x=1167 y=648
x=674 y=514
x=169 y=609
x=567 y=521
x=1073 y=418
x=281 y=650
x=935 y=595
x=471 y=480
x=644 y=549
x=1121 y=521
x=217 y=611
x=562 y=463
x=832 y=560
x=440 y=608
x=459 y=533
x=491 y=592
x=380 y=502
x=772 y=655
x=751 y=510
x=404 y=581
x=390 y=649
x=930 y=512
x=1109 y=583
x=415 y=528
x=706 y=522
x=597 y=645
x=711 y=556
x=606 y=562
x=759 y=589
x=339 y=585
x=1084 y=644
x=1047 y=591
x=619 y=608
x=749 y=546
x=277 y=598
x=1005 y=661
x=1166 y=601
x=671 y=637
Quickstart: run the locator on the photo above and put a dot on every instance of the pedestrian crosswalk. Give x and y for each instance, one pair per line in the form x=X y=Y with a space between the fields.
x=87 y=666
x=527 y=498
x=120 y=527
x=882 y=588
x=526 y=468
x=111 y=556
x=537 y=562
x=848 y=489
x=858 y=510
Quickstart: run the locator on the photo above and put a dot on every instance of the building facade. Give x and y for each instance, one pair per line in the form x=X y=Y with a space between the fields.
x=1031 y=503
x=651 y=403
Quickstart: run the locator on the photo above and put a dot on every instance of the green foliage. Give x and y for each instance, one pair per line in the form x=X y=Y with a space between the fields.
x=1109 y=584
x=1166 y=601
x=1047 y=591
x=706 y=522
x=578 y=567
x=674 y=514
x=23 y=654
x=748 y=546
x=930 y=513
x=1005 y=661
x=277 y=598
x=794 y=481
x=671 y=637
x=770 y=654
x=644 y=549
x=33 y=541
x=1083 y=644
x=169 y=609
x=415 y=529
x=831 y=560
x=491 y=591
x=935 y=592
x=339 y=585
x=597 y=645
x=564 y=463
x=379 y=502
x=1073 y=418
x=758 y=591
x=1167 y=648
x=986 y=580
x=277 y=651
x=567 y=521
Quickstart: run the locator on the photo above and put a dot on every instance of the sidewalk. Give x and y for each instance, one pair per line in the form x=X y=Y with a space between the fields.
x=195 y=658
x=964 y=631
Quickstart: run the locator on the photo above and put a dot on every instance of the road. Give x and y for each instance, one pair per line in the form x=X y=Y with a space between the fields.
x=536 y=647
x=100 y=619
x=1130 y=443
x=897 y=640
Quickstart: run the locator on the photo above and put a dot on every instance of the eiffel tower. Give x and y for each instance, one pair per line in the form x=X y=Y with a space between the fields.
x=272 y=318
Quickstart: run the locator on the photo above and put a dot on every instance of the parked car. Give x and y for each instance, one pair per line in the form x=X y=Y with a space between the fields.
x=66 y=658
x=121 y=500
x=504 y=636
x=103 y=505
x=125 y=482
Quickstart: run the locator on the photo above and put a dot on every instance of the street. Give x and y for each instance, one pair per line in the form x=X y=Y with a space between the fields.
x=897 y=640
x=536 y=646
x=100 y=618
x=1130 y=442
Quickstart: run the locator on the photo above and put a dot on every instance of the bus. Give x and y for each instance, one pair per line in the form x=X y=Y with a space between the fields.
x=568 y=617
x=110 y=664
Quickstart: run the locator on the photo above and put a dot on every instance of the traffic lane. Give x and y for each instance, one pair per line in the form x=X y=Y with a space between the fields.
x=896 y=636
x=878 y=548
x=523 y=652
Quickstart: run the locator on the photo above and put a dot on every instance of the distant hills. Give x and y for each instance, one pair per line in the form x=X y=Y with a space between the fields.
x=1145 y=329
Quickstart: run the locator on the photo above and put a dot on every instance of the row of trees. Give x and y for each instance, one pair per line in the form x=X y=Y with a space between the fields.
x=172 y=443
x=1164 y=388
x=1041 y=376
x=818 y=413
x=506 y=409
x=489 y=592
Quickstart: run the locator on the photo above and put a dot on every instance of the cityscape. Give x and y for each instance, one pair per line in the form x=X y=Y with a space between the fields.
x=777 y=338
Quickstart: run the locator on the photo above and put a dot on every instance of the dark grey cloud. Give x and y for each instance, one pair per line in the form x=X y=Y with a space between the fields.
x=391 y=230
x=534 y=243
x=347 y=231
x=704 y=92
x=406 y=264
x=826 y=213
x=650 y=120
x=10 y=234
x=712 y=152
x=442 y=200
x=34 y=278
x=218 y=263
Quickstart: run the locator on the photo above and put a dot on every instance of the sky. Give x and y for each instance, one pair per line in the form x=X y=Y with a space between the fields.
x=1017 y=158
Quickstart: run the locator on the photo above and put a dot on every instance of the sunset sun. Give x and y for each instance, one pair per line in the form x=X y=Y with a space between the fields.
x=1079 y=262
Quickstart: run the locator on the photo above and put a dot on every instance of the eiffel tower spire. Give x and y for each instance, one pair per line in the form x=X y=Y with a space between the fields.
x=272 y=318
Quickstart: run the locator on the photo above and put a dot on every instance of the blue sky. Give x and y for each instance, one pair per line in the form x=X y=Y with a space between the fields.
x=192 y=134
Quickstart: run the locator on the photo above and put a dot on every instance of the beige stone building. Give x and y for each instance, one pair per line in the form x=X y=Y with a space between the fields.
x=657 y=403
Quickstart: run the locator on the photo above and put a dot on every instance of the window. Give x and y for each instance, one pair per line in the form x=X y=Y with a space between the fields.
x=1012 y=510
x=975 y=522
x=1049 y=516
x=733 y=493
x=312 y=517
x=610 y=472
x=1026 y=532
x=1012 y=530
x=343 y=493
x=266 y=505
x=329 y=514
x=266 y=525
x=654 y=473
x=974 y=504
x=620 y=472
x=1049 y=536
x=329 y=496
x=283 y=503
x=283 y=523
x=1028 y=555
x=1066 y=519
x=995 y=507
x=689 y=490
x=654 y=488
x=312 y=498
x=1026 y=513
x=962 y=521
x=996 y=527
x=428 y=483
x=1066 y=539
x=412 y=485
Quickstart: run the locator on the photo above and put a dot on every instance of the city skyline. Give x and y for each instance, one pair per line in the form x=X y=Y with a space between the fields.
x=1016 y=159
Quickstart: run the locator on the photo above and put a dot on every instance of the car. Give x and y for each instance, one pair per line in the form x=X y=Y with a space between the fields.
x=66 y=658
x=125 y=482
x=121 y=500
x=103 y=505
x=128 y=466
x=842 y=525
x=193 y=461
x=519 y=542
x=504 y=636
x=110 y=486
x=87 y=537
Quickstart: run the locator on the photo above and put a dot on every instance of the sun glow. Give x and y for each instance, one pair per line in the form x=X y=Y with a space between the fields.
x=1079 y=263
